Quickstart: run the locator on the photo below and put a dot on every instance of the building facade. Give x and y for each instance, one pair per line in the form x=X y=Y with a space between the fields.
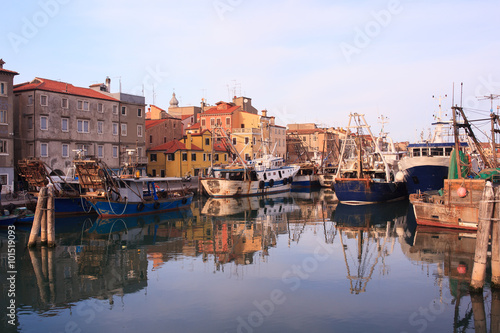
x=7 y=143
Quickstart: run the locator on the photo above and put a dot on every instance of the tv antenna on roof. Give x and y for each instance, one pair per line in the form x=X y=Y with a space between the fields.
x=491 y=97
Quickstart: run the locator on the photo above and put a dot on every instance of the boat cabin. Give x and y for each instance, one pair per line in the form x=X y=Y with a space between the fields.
x=432 y=149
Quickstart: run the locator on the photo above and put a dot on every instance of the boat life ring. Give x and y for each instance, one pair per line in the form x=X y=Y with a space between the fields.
x=184 y=201
x=261 y=184
x=285 y=181
x=156 y=205
x=271 y=183
x=140 y=206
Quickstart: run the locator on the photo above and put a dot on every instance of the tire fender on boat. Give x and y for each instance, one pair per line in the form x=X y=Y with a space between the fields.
x=261 y=184
x=184 y=201
x=290 y=179
x=140 y=206
x=285 y=181
x=271 y=183
x=156 y=205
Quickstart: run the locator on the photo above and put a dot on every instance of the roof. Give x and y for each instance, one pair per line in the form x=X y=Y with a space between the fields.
x=221 y=108
x=219 y=147
x=153 y=122
x=305 y=131
x=183 y=117
x=6 y=71
x=60 y=87
x=173 y=146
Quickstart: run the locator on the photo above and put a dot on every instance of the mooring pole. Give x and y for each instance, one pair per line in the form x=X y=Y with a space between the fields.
x=483 y=233
x=37 y=220
x=51 y=230
x=495 y=311
x=479 y=313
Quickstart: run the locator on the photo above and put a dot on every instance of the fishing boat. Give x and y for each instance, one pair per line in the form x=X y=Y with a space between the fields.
x=307 y=176
x=456 y=205
x=261 y=176
x=113 y=195
x=425 y=166
x=67 y=199
x=363 y=175
x=326 y=176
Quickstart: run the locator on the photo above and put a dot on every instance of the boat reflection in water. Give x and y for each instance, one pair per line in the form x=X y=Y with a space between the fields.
x=373 y=228
x=452 y=251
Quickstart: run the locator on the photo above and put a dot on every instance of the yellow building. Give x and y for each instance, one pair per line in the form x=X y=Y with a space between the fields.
x=189 y=156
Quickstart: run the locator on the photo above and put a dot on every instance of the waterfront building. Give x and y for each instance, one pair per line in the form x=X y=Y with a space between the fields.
x=307 y=142
x=161 y=127
x=191 y=155
x=53 y=119
x=7 y=119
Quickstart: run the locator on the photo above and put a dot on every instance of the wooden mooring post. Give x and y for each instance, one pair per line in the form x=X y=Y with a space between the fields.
x=489 y=210
x=44 y=219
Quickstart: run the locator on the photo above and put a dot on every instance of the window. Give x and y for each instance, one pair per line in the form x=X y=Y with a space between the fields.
x=124 y=110
x=65 y=150
x=115 y=151
x=153 y=172
x=193 y=157
x=100 y=151
x=247 y=140
x=115 y=128
x=152 y=158
x=164 y=139
x=100 y=127
x=100 y=108
x=115 y=109
x=170 y=157
x=150 y=139
x=184 y=157
x=225 y=157
x=3 y=88
x=212 y=122
x=3 y=146
x=228 y=121
x=254 y=140
x=64 y=124
x=44 y=100
x=44 y=150
x=124 y=129
x=3 y=116
x=219 y=122
x=30 y=99
x=207 y=141
x=83 y=148
x=83 y=105
x=216 y=157
x=3 y=179
x=139 y=112
x=30 y=122
x=82 y=126
x=64 y=103
x=43 y=123
x=139 y=131
x=204 y=157
x=234 y=141
x=203 y=123
x=139 y=152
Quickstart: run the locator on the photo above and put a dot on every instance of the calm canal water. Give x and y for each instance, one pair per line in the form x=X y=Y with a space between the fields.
x=291 y=263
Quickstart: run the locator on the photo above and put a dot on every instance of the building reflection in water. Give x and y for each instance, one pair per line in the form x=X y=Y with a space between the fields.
x=105 y=259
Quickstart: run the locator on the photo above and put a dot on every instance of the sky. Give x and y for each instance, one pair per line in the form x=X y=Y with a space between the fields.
x=303 y=61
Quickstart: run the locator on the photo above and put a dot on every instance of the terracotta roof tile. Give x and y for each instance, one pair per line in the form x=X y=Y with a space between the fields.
x=60 y=87
x=173 y=146
x=8 y=72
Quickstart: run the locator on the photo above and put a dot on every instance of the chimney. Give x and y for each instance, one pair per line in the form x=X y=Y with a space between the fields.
x=1 y=63
x=108 y=84
x=188 y=140
x=264 y=113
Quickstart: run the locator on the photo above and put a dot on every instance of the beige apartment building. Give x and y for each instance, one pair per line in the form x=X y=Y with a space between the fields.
x=55 y=119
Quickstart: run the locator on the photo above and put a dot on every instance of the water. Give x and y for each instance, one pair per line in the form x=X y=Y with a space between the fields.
x=291 y=263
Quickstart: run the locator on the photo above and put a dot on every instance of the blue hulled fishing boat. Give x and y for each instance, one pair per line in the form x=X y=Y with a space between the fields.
x=364 y=176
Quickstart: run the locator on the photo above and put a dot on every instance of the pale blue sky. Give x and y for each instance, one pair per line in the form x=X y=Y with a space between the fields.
x=303 y=61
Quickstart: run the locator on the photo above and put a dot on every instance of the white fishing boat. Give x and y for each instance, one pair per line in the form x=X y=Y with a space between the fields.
x=265 y=175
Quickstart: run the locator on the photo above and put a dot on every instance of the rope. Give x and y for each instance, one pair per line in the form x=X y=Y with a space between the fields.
x=111 y=207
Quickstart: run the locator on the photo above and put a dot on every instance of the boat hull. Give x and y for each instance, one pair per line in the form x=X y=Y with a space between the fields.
x=367 y=191
x=70 y=206
x=106 y=208
x=450 y=210
x=221 y=188
x=305 y=181
x=425 y=173
x=327 y=180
